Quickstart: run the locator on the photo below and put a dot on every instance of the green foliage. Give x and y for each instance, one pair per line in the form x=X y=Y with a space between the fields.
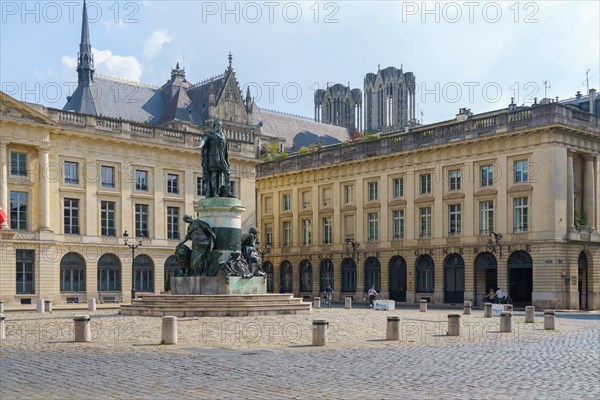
x=579 y=218
x=303 y=150
x=370 y=136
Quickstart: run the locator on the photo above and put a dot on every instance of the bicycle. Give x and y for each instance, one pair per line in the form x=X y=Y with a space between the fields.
x=327 y=300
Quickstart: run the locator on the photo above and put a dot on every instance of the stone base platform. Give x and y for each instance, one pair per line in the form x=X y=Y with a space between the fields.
x=218 y=285
x=240 y=305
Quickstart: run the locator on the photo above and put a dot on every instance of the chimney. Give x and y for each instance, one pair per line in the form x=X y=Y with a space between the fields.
x=592 y=101
x=578 y=95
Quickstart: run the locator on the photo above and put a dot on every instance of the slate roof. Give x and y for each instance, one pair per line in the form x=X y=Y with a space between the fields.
x=297 y=131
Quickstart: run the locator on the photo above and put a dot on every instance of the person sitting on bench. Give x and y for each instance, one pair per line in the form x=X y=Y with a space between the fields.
x=489 y=298
x=499 y=296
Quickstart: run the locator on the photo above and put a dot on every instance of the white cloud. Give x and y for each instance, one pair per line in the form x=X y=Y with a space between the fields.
x=154 y=44
x=105 y=62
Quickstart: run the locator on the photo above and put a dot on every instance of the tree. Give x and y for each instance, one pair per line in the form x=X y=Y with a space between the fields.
x=354 y=135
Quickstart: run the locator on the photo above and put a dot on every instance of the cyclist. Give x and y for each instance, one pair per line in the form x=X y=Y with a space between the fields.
x=328 y=295
x=372 y=296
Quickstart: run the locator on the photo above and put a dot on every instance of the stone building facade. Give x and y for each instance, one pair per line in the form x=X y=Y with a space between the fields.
x=444 y=212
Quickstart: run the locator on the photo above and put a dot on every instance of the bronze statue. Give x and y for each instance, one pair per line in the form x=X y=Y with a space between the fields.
x=203 y=240
x=215 y=162
x=250 y=252
x=236 y=265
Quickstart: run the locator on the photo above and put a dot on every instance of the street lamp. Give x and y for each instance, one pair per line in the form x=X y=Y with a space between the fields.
x=492 y=243
x=355 y=246
x=133 y=246
x=266 y=251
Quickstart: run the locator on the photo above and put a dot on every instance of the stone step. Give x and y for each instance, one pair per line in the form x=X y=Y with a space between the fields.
x=219 y=296
x=215 y=312
x=192 y=303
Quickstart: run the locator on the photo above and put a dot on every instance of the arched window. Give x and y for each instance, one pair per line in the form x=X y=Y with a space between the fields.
x=305 y=276
x=144 y=273
x=268 y=268
x=424 y=279
x=454 y=278
x=348 y=275
x=109 y=273
x=520 y=277
x=286 y=279
x=372 y=274
x=171 y=269
x=325 y=274
x=397 y=278
x=72 y=273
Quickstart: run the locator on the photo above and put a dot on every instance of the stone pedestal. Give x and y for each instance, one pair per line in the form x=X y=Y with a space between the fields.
x=316 y=302
x=453 y=324
x=219 y=284
x=224 y=215
x=423 y=306
x=83 y=332
x=467 y=308
x=348 y=303
x=319 y=334
x=392 y=331
x=506 y=322
x=530 y=314
x=48 y=305
x=549 y=320
x=487 y=310
x=92 y=304
x=169 y=330
x=39 y=306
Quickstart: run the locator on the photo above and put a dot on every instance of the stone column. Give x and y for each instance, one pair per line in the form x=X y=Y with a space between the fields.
x=487 y=310
x=549 y=319
x=570 y=193
x=453 y=324
x=44 y=210
x=348 y=303
x=319 y=334
x=589 y=183
x=392 y=331
x=423 y=305
x=83 y=331
x=505 y=322
x=169 y=330
x=530 y=314
x=4 y=183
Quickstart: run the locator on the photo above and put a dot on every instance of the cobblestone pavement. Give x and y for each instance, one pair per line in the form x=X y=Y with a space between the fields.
x=271 y=357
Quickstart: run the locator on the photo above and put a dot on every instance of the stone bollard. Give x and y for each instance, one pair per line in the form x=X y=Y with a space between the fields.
x=169 y=330
x=453 y=324
x=92 y=304
x=467 y=308
x=319 y=332
x=392 y=330
x=423 y=305
x=1 y=307
x=48 y=305
x=530 y=314
x=348 y=304
x=2 y=330
x=508 y=307
x=316 y=302
x=39 y=305
x=487 y=310
x=83 y=331
x=549 y=320
x=505 y=322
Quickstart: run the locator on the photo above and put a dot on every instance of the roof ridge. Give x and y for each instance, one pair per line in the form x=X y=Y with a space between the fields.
x=129 y=82
x=286 y=113
x=212 y=78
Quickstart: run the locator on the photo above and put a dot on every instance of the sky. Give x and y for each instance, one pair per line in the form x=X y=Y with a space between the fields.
x=473 y=54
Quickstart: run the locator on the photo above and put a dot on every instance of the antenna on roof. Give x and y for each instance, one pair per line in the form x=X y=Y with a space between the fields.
x=587 y=80
x=546 y=87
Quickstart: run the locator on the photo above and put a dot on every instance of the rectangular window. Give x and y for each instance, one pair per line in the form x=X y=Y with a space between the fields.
x=327 y=197
x=287 y=234
x=172 y=222
x=234 y=188
x=397 y=188
x=398 y=224
x=327 y=231
x=486 y=217
x=269 y=234
x=372 y=192
x=173 y=183
x=521 y=214
x=25 y=261
x=141 y=220
x=373 y=219
x=18 y=210
x=521 y=171
x=349 y=227
x=107 y=218
x=425 y=184
x=454 y=179
x=349 y=194
x=286 y=203
x=425 y=222
x=200 y=189
x=454 y=219
x=305 y=200
x=18 y=163
x=487 y=175
x=71 y=219
x=71 y=172
x=108 y=176
x=306 y=232
x=141 y=180
x=268 y=205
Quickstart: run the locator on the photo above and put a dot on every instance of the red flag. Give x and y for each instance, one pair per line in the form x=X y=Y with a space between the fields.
x=3 y=217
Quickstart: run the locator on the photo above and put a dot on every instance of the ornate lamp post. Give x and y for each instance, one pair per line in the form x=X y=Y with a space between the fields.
x=266 y=251
x=132 y=246
x=491 y=244
x=355 y=246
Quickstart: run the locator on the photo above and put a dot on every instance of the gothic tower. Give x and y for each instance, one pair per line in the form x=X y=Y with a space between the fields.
x=339 y=105
x=85 y=58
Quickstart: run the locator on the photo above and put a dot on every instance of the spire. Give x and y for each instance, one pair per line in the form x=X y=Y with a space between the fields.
x=177 y=72
x=230 y=57
x=85 y=58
